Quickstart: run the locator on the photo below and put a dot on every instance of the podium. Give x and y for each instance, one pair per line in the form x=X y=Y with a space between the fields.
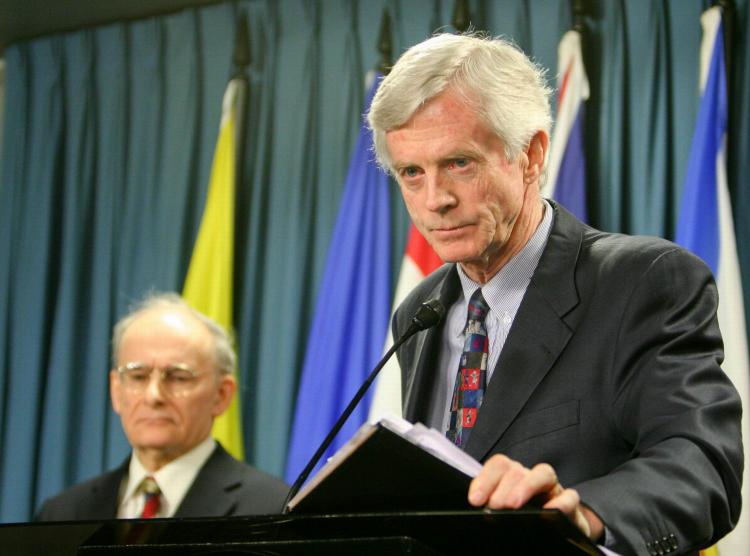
x=474 y=532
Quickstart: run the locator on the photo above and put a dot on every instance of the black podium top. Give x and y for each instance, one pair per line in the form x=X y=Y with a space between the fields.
x=474 y=532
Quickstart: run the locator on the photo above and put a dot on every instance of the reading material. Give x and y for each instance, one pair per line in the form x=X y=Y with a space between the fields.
x=390 y=466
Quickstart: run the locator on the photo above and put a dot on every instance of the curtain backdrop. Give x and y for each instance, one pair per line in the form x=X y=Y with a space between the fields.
x=108 y=137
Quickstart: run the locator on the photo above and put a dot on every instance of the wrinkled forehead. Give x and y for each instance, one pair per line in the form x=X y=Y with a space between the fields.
x=160 y=334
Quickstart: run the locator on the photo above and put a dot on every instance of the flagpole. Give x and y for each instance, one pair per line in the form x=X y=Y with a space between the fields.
x=210 y=280
x=241 y=60
x=727 y=19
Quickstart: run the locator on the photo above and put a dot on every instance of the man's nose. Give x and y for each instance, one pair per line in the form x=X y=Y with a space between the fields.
x=439 y=193
x=154 y=389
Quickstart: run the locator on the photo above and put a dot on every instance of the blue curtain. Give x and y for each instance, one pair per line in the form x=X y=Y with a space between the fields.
x=107 y=141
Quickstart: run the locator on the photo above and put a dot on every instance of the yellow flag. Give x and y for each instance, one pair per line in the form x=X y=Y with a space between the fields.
x=709 y=551
x=208 y=285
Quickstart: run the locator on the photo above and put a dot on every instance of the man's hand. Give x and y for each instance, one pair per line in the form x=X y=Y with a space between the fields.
x=506 y=484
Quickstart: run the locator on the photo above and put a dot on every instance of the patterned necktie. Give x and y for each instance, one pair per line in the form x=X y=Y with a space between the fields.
x=471 y=378
x=153 y=498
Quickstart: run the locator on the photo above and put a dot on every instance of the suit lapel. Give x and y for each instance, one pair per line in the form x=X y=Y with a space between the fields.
x=211 y=492
x=538 y=335
x=103 y=499
x=421 y=380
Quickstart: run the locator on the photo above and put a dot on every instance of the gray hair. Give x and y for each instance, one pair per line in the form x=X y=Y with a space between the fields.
x=226 y=360
x=507 y=90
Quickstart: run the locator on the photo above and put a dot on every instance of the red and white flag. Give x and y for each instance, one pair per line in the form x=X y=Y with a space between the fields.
x=566 y=171
x=419 y=261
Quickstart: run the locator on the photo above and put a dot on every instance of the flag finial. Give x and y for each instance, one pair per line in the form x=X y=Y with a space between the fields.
x=461 y=18
x=385 y=44
x=578 y=9
x=241 y=55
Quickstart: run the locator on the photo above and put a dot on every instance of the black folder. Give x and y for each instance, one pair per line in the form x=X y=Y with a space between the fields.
x=382 y=471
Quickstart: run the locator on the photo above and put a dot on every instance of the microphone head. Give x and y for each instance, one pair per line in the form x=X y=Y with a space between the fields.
x=429 y=314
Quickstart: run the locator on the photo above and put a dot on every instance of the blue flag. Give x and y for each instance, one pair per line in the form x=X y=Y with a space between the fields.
x=706 y=227
x=698 y=224
x=352 y=310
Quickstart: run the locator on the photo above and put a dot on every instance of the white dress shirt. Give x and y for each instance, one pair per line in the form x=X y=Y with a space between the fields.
x=174 y=480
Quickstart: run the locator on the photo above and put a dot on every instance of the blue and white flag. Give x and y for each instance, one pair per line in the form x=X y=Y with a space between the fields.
x=706 y=227
x=566 y=171
x=352 y=310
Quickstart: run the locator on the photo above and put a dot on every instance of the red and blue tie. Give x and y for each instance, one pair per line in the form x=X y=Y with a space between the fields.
x=471 y=378
x=153 y=498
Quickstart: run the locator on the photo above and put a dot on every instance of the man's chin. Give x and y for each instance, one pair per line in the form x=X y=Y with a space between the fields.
x=159 y=438
x=454 y=253
x=162 y=446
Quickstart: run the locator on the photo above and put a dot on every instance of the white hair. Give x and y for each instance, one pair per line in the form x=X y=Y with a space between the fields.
x=226 y=360
x=506 y=89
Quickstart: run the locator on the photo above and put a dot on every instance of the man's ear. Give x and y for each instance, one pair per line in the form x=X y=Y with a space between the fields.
x=536 y=153
x=226 y=389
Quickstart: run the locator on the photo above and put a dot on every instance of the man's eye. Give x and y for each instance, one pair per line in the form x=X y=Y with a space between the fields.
x=138 y=376
x=460 y=162
x=178 y=375
x=410 y=172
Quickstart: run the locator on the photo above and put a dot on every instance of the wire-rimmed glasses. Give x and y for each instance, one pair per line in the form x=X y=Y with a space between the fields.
x=176 y=380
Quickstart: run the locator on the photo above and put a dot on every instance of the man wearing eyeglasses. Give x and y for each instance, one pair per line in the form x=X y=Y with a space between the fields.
x=172 y=377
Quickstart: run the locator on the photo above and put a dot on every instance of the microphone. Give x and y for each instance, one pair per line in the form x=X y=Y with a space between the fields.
x=428 y=315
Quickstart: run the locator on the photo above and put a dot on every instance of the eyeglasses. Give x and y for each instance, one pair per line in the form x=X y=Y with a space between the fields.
x=175 y=380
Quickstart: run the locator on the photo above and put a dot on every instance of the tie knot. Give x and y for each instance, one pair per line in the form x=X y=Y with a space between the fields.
x=478 y=307
x=149 y=486
x=152 y=498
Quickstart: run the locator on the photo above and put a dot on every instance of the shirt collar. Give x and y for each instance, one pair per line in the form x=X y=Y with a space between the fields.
x=174 y=479
x=516 y=273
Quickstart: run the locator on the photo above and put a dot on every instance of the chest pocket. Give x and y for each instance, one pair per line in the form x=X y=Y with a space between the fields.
x=541 y=422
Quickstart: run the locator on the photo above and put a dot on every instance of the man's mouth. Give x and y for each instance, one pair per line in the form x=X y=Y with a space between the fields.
x=155 y=420
x=448 y=231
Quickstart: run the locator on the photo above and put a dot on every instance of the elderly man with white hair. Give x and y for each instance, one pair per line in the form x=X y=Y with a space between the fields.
x=582 y=368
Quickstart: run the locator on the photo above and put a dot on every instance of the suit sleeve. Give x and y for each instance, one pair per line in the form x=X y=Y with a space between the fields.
x=680 y=413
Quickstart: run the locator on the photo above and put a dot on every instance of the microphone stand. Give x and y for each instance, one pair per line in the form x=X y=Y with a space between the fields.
x=428 y=315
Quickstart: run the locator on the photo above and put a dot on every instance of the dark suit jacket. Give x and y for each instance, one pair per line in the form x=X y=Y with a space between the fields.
x=610 y=373
x=223 y=487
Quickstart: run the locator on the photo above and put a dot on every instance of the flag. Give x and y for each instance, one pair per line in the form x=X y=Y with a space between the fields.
x=351 y=312
x=209 y=281
x=706 y=227
x=566 y=171
x=419 y=260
